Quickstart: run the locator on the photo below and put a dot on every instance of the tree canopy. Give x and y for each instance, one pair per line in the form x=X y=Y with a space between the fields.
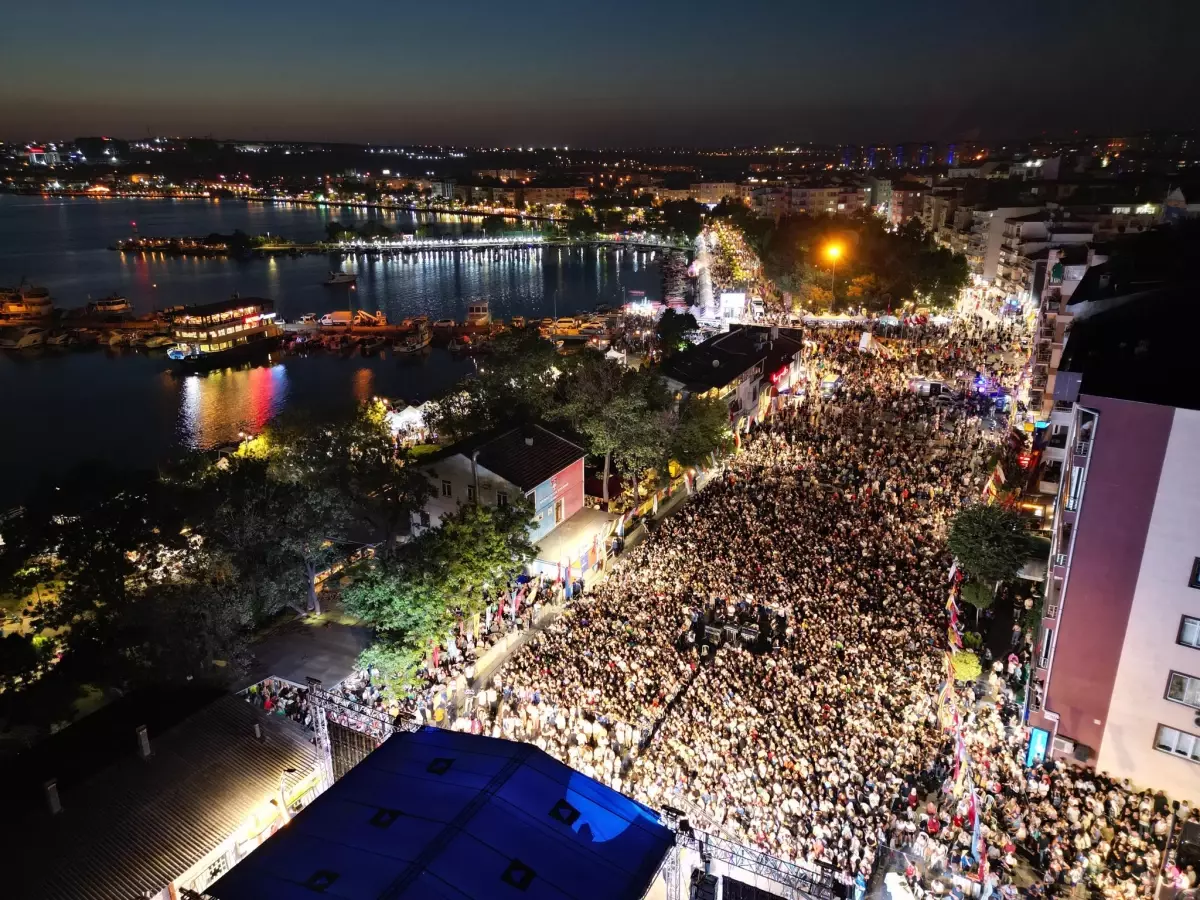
x=990 y=542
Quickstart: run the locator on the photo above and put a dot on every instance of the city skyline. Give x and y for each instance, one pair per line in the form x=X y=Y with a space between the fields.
x=696 y=74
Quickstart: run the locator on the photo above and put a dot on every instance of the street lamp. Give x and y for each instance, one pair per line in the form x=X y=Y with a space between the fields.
x=833 y=252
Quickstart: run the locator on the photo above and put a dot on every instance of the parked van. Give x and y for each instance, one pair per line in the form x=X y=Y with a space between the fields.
x=341 y=317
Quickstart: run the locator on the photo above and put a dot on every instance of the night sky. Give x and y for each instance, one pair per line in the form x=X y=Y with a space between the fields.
x=615 y=73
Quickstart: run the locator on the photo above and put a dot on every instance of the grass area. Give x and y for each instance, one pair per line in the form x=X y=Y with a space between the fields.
x=419 y=450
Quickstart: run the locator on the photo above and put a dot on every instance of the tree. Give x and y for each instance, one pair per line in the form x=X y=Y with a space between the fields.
x=989 y=542
x=683 y=217
x=480 y=550
x=701 y=429
x=590 y=391
x=672 y=331
x=979 y=595
x=966 y=665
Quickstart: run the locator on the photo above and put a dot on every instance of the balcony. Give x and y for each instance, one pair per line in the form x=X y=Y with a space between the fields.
x=1059 y=559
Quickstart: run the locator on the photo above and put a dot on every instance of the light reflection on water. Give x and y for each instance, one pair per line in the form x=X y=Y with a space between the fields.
x=216 y=407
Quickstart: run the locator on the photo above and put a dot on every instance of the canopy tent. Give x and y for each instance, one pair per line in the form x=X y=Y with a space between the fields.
x=437 y=815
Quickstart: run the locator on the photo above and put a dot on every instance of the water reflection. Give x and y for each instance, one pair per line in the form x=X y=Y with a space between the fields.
x=215 y=407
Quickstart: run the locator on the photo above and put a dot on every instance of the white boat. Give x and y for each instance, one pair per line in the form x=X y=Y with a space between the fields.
x=113 y=304
x=158 y=341
x=62 y=339
x=478 y=314
x=460 y=344
x=118 y=339
x=415 y=343
x=341 y=278
x=23 y=339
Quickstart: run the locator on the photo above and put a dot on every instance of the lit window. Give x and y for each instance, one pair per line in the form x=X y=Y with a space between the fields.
x=1189 y=632
x=1184 y=689
x=1180 y=743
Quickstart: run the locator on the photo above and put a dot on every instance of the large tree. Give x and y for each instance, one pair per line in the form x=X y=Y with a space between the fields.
x=989 y=542
x=701 y=428
x=673 y=330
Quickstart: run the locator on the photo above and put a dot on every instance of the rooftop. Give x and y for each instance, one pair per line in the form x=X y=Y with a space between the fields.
x=1139 y=347
x=142 y=823
x=212 y=309
x=525 y=455
x=437 y=815
x=723 y=357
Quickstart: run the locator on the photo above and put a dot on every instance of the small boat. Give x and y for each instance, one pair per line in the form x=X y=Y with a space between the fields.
x=372 y=345
x=158 y=341
x=23 y=339
x=113 y=304
x=415 y=343
x=119 y=339
x=518 y=322
x=461 y=343
x=62 y=339
x=341 y=278
x=478 y=314
x=85 y=337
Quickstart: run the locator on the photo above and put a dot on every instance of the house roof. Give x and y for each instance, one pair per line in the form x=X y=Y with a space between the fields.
x=141 y=823
x=441 y=815
x=525 y=455
x=723 y=357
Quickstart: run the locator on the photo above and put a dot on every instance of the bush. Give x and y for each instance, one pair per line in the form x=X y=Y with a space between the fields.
x=966 y=666
x=972 y=640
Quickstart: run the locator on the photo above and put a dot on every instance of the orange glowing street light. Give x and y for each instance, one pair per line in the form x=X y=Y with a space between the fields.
x=833 y=252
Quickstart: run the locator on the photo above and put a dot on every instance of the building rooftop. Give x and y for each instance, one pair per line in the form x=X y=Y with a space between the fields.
x=441 y=815
x=1138 y=347
x=141 y=823
x=525 y=455
x=723 y=357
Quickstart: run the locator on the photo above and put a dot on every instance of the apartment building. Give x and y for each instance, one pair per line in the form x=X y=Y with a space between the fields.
x=1053 y=275
x=1024 y=236
x=987 y=236
x=1117 y=659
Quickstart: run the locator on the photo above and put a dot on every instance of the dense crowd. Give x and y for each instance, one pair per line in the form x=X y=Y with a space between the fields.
x=768 y=661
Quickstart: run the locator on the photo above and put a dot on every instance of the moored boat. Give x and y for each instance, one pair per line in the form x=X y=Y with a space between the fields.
x=216 y=334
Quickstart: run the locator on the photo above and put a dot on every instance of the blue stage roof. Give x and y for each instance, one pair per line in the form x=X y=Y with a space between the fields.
x=436 y=814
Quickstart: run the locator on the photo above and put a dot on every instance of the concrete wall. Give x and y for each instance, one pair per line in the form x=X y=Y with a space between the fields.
x=1150 y=652
x=1110 y=533
x=566 y=485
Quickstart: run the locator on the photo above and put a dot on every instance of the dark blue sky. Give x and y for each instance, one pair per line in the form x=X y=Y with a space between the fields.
x=612 y=73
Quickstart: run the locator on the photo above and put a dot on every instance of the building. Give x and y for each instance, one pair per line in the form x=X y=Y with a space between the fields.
x=750 y=367
x=714 y=191
x=553 y=196
x=1024 y=236
x=907 y=201
x=938 y=207
x=498 y=466
x=1117 y=677
x=1053 y=276
x=174 y=814
x=987 y=236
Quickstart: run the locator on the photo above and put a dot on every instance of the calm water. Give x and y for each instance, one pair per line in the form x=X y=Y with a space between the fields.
x=61 y=408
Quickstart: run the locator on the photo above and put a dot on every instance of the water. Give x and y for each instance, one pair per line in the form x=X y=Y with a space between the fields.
x=132 y=409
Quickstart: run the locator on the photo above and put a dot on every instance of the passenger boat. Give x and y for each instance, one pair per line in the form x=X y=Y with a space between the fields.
x=216 y=334
x=26 y=302
x=478 y=314
x=113 y=304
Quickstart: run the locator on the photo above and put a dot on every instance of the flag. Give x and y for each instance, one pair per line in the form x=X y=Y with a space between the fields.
x=656 y=503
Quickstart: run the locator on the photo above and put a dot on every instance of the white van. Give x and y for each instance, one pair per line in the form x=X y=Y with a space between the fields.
x=341 y=317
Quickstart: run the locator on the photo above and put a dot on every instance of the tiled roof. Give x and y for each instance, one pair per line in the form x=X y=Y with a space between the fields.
x=525 y=455
x=140 y=824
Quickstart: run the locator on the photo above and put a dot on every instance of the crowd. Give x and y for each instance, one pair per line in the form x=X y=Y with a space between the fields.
x=768 y=661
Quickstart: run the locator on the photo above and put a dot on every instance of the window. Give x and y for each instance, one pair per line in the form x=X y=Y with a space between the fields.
x=1184 y=689
x=502 y=500
x=1189 y=632
x=1194 y=581
x=445 y=488
x=559 y=511
x=1179 y=743
x=424 y=519
x=471 y=493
